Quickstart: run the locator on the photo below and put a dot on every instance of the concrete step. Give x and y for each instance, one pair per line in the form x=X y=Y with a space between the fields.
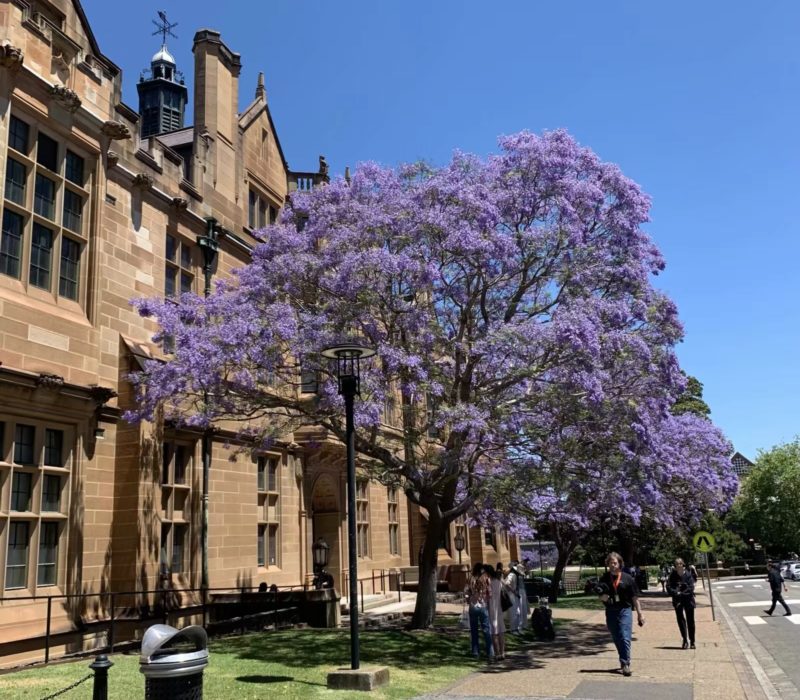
x=371 y=600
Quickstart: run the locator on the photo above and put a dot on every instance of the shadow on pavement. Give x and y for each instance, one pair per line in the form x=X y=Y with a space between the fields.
x=572 y=642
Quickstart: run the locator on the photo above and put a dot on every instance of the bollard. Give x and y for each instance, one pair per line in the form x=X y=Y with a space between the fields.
x=100 y=667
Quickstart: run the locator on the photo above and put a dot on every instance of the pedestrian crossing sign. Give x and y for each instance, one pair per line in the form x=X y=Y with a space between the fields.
x=703 y=541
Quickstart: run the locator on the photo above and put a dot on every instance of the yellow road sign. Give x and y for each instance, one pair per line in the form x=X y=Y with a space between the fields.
x=703 y=541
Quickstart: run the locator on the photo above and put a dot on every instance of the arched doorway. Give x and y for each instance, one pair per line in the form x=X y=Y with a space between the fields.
x=326 y=520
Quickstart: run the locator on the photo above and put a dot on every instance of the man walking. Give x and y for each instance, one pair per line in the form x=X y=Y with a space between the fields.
x=776 y=583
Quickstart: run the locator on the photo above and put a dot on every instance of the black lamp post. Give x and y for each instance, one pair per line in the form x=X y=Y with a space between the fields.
x=460 y=543
x=348 y=357
x=209 y=246
x=320 y=550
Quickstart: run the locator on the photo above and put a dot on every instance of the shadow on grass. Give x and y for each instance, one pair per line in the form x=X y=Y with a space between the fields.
x=410 y=649
x=266 y=679
x=327 y=647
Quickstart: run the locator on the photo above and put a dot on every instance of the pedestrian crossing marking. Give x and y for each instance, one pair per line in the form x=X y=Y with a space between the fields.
x=761 y=603
x=754 y=620
x=756 y=585
x=794 y=619
x=739 y=586
x=718 y=586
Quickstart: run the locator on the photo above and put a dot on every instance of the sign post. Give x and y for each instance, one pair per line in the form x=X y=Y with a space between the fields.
x=704 y=542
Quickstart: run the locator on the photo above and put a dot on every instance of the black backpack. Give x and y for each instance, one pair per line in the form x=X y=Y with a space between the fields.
x=542 y=622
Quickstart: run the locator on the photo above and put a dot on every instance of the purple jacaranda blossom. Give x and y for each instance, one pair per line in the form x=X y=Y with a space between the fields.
x=511 y=301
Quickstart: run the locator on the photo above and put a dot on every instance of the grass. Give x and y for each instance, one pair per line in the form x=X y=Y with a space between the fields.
x=578 y=601
x=285 y=664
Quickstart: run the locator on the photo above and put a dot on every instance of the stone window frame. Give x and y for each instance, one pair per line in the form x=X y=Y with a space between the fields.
x=393 y=515
x=262 y=210
x=63 y=276
x=38 y=519
x=181 y=265
x=362 y=518
x=176 y=476
x=490 y=537
x=269 y=476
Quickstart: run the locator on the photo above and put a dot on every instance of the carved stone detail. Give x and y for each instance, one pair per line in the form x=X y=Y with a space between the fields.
x=116 y=131
x=49 y=381
x=112 y=158
x=11 y=57
x=67 y=98
x=143 y=181
x=180 y=203
x=102 y=394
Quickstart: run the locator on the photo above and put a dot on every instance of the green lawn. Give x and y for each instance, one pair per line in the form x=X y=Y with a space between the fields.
x=578 y=601
x=286 y=664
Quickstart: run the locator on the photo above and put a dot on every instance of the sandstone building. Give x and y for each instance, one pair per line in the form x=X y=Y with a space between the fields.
x=103 y=203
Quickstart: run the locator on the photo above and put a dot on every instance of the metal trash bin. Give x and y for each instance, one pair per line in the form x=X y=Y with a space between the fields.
x=173 y=662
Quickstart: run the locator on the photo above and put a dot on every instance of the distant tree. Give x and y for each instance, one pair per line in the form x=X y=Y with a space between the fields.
x=768 y=504
x=691 y=400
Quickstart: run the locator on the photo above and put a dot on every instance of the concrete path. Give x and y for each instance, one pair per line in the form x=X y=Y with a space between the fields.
x=585 y=663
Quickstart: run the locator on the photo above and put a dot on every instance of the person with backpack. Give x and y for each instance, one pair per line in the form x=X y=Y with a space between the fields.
x=477 y=593
x=776 y=582
x=620 y=595
x=680 y=586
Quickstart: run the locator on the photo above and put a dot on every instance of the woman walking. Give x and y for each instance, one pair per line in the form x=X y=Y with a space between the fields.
x=680 y=586
x=496 y=622
x=620 y=595
x=477 y=592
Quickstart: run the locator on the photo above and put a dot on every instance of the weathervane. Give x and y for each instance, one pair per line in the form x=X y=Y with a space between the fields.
x=164 y=27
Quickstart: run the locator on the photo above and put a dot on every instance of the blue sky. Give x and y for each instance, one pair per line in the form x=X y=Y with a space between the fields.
x=699 y=102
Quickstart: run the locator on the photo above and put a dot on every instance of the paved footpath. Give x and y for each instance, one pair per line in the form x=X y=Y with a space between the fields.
x=585 y=664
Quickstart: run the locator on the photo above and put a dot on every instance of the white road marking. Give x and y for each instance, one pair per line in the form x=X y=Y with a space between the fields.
x=794 y=619
x=739 y=586
x=754 y=620
x=757 y=585
x=760 y=603
x=723 y=586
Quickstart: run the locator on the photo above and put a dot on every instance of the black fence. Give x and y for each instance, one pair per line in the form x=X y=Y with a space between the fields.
x=121 y=615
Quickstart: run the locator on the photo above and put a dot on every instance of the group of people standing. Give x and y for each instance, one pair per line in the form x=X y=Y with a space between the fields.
x=492 y=591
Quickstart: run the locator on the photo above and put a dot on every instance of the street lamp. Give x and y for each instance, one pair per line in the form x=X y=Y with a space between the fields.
x=209 y=245
x=348 y=358
x=320 y=550
x=460 y=543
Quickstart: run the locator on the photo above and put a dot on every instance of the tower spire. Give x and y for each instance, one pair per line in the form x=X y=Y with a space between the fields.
x=261 y=92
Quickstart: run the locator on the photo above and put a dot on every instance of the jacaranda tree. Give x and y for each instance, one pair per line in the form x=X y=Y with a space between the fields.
x=495 y=291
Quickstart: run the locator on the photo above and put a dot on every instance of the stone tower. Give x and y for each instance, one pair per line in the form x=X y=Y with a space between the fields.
x=162 y=94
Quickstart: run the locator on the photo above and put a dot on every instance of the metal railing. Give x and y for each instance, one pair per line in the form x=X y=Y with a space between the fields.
x=379 y=581
x=156 y=605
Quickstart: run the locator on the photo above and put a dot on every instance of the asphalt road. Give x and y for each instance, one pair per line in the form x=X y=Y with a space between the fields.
x=773 y=642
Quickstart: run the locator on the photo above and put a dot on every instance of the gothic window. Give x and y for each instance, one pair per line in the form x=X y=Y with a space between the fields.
x=268 y=482
x=44 y=229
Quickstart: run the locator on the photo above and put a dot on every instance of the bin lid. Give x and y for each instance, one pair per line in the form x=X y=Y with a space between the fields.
x=159 y=636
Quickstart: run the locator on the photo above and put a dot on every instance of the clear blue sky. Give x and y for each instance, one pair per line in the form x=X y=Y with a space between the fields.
x=697 y=101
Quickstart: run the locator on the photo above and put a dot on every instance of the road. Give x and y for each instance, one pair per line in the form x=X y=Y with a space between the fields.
x=770 y=644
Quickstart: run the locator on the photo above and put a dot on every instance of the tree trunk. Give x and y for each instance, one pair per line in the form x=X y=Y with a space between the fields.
x=425 y=608
x=565 y=549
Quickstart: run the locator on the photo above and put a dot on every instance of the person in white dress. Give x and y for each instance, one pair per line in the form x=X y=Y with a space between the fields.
x=518 y=613
x=496 y=622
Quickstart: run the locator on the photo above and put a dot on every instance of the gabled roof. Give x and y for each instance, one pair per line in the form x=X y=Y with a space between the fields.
x=251 y=113
x=113 y=67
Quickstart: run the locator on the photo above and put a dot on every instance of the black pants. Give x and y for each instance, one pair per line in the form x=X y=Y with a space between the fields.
x=778 y=598
x=685 y=614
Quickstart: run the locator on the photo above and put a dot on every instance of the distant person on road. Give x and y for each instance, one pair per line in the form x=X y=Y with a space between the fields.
x=776 y=583
x=478 y=592
x=620 y=595
x=680 y=586
x=663 y=576
x=746 y=568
